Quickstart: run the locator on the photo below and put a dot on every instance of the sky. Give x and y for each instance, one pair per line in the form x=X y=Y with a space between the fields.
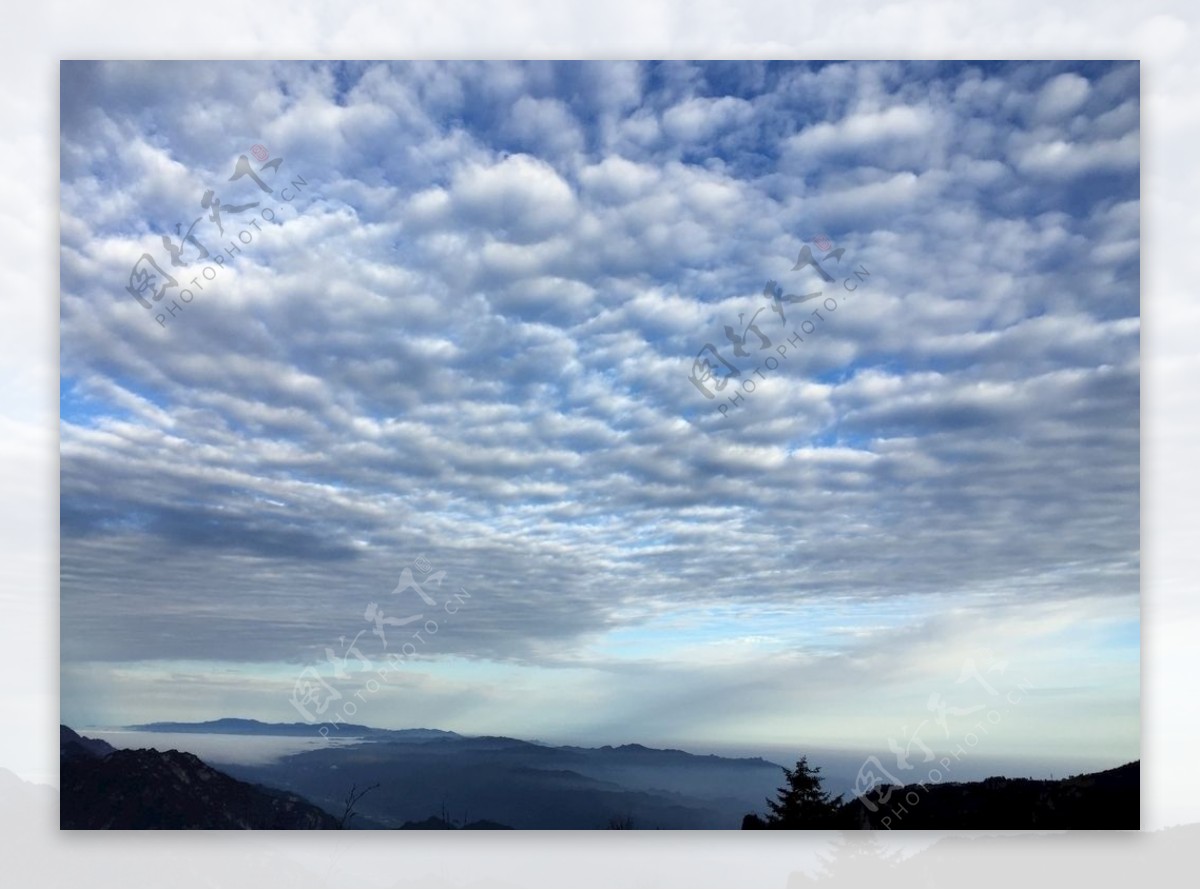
x=464 y=348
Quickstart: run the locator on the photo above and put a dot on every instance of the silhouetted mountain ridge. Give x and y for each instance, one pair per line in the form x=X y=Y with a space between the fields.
x=73 y=746
x=167 y=790
x=1110 y=799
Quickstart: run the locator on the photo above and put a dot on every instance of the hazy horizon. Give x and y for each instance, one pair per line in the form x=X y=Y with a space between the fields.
x=838 y=762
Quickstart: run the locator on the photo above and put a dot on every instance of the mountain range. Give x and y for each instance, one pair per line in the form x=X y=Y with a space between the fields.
x=436 y=779
x=522 y=784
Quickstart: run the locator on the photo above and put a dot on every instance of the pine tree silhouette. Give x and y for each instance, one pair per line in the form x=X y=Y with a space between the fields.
x=801 y=803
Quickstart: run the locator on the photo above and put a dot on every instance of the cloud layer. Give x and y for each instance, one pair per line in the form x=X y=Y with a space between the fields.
x=469 y=332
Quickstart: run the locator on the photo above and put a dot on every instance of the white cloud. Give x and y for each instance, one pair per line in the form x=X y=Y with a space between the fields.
x=520 y=196
x=701 y=118
x=1061 y=96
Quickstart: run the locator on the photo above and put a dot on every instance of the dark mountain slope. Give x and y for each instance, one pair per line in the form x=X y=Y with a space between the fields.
x=153 y=789
x=1104 y=800
x=73 y=746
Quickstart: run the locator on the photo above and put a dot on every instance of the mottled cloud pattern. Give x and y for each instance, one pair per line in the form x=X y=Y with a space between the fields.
x=468 y=335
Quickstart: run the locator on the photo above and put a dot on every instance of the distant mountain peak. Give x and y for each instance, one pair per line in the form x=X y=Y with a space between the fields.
x=250 y=726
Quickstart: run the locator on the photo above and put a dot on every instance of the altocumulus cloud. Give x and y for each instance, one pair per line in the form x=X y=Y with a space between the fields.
x=469 y=336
